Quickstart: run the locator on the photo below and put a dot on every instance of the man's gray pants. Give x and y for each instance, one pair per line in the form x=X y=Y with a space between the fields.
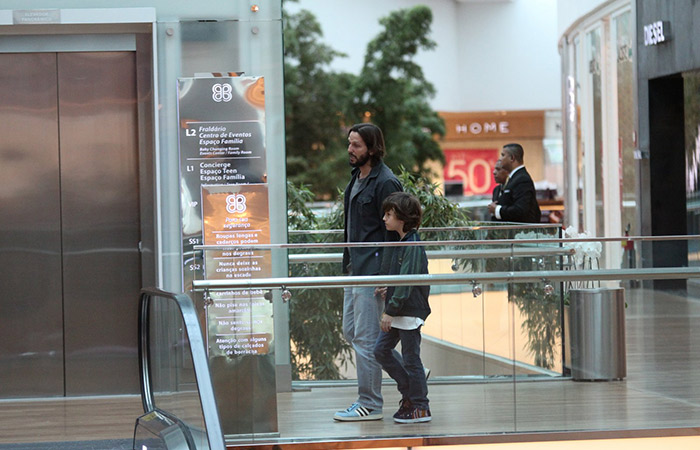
x=361 y=314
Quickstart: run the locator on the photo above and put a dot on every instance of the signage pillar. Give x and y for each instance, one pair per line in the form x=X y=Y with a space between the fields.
x=224 y=202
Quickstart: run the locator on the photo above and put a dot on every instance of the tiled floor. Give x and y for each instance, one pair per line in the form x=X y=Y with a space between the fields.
x=662 y=390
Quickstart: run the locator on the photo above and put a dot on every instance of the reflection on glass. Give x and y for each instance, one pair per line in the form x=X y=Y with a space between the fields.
x=691 y=90
x=596 y=147
x=172 y=371
x=474 y=330
x=484 y=338
x=580 y=173
x=317 y=312
x=625 y=115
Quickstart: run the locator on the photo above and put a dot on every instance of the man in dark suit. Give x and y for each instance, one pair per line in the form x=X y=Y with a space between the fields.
x=500 y=175
x=517 y=201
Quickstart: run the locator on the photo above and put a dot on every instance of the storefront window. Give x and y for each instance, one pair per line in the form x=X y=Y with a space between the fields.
x=691 y=90
x=622 y=27
x=601 y=136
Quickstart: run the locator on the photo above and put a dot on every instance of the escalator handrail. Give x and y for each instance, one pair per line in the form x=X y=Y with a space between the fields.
x=199 y=359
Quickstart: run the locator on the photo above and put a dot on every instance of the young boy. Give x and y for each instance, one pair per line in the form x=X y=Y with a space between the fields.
x=405 y=311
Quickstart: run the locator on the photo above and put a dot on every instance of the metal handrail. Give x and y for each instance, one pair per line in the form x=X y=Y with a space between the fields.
x=513 y=226
x=656 y=273
x=199 y=359
x=517 y=247
x=452 y=242
x=445 y=254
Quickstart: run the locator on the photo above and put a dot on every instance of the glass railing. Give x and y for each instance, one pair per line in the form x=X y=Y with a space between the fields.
x=465 y=337
x=519 y=326
x=178 y=399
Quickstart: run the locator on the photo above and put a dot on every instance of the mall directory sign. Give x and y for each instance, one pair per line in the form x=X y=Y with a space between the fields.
x=224 y=202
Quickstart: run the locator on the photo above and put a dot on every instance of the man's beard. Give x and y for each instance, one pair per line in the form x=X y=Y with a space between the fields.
x=359 y=162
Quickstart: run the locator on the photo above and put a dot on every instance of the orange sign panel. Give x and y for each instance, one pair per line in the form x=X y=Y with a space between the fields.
x=237 y=216
x=497 y=125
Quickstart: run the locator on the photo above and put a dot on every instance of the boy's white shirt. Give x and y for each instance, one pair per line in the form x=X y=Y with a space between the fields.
x=406 y=322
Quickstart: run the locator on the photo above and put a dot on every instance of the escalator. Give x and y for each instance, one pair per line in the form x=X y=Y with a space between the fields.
x=176 y=391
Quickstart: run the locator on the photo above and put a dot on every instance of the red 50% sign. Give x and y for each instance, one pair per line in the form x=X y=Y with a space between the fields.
x=474 y=168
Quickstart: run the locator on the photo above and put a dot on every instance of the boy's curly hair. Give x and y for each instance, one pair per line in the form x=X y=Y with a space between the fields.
x=406 y=207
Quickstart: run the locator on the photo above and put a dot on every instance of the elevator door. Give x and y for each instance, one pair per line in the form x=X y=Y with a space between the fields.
x=69 y=224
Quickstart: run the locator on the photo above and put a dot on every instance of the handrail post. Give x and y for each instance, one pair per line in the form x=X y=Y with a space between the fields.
x=144 y=353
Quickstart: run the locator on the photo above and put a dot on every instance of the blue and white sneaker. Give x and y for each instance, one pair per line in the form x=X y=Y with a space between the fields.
x=357 y=412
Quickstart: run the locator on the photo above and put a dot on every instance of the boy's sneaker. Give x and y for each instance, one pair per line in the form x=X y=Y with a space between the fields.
x=404 y=407
x=358 y=412
x=414 y=415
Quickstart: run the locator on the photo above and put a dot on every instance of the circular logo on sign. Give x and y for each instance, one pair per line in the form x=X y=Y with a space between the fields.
x=221 y=92
x=235 y=203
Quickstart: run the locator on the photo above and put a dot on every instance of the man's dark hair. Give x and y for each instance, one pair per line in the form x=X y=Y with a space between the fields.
x=373 y=138
x=516 y=151
x=406 y=207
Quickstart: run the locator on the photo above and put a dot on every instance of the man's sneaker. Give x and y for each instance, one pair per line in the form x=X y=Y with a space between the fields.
x=414 y=415
x=358 y=412
x=404 y=407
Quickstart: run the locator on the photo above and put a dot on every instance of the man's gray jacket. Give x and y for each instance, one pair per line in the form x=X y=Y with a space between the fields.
x=365 y=211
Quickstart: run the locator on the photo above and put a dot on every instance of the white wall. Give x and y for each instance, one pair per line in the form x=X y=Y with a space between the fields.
x=490 y=55
x=166 y=9
x=509 y=57
x=569 y=11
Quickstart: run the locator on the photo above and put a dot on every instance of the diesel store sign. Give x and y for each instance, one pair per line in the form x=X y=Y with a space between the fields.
x=657 y=33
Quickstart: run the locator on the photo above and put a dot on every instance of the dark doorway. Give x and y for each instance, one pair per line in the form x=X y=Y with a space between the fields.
x=668 y=175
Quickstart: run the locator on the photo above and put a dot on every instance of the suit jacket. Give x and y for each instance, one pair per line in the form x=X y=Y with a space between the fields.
x=496 y=193
x=518 y=199
x=495 y=196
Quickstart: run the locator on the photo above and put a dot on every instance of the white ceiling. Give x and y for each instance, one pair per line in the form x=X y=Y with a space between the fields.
x=483 y=1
